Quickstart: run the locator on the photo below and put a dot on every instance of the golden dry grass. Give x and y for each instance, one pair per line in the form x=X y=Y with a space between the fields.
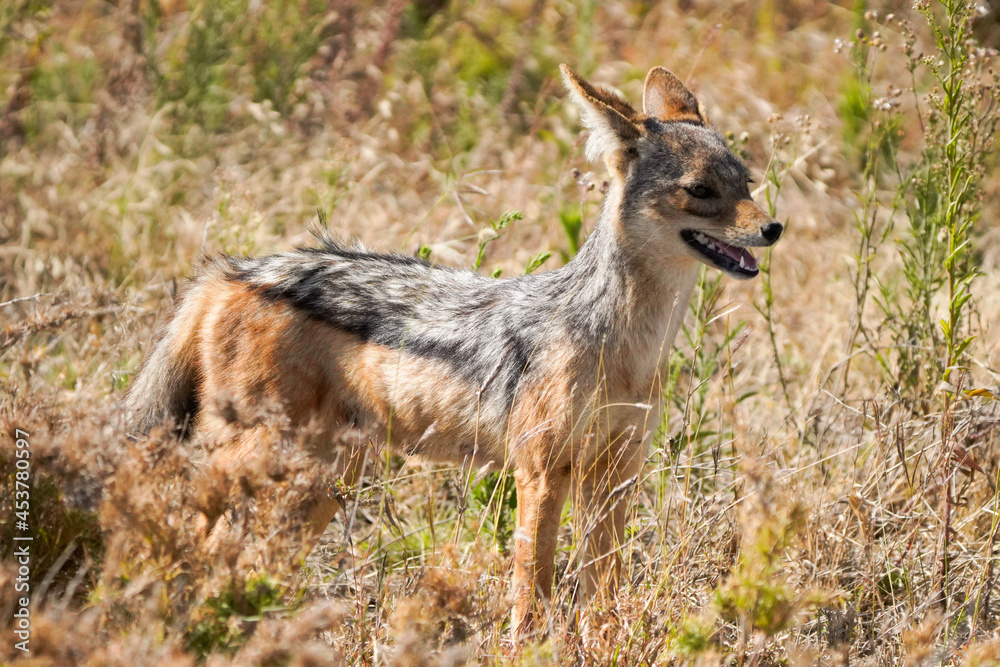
x=807 y=526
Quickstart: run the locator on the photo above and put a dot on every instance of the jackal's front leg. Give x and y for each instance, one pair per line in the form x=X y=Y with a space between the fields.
x=605 y=488
x=541 y=493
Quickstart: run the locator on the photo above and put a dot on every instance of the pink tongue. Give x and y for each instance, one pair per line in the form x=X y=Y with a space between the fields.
x=736 y=253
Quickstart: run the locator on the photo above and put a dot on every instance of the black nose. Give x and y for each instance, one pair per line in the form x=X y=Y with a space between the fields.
x=771 y=231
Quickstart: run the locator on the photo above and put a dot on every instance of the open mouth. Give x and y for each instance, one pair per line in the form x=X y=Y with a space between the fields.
x=733 y=260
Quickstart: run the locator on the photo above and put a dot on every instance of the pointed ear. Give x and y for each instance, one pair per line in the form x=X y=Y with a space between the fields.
x=665 y=98
x=607 y=116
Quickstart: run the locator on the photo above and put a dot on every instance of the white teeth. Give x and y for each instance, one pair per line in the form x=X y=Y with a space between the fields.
x=712 y=244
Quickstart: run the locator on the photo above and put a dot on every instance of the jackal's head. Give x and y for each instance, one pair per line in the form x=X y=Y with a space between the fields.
x=683 y=191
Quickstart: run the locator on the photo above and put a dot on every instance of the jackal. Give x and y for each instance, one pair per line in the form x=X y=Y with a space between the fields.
x=556 y=375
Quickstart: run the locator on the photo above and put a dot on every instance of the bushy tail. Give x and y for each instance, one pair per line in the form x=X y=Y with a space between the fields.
x=166 y=390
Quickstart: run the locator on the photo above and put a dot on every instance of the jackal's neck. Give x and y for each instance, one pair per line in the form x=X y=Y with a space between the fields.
x=636 y=294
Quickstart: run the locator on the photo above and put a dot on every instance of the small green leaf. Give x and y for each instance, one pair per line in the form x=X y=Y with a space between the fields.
x=572 y=224
x=960 y=348
x=946 y=328
x=506 y=218
x=537 y=261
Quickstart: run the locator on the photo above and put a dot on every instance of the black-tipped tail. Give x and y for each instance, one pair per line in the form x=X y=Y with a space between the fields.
x=166 y=389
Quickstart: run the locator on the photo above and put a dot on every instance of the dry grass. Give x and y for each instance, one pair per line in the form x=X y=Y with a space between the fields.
x=801 y=525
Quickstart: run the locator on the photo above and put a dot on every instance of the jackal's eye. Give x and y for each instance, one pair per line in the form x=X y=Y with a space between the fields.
x=699 y=191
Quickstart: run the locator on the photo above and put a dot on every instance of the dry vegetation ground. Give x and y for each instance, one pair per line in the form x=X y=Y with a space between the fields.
x=797 y=508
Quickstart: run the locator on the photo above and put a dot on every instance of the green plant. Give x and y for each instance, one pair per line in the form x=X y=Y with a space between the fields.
x=757 y=595
x=942 y=197
x=710 y=341
x=535 y=261
x=774 y=175
x=496 y=229
x=572 y=225
x=193 y=76
x=236 y=44
x=223 y=621
x=278 y=43
x=943 y=204
x=872 y=129
x=494 y=498
x=939 y=195
x=693 y=636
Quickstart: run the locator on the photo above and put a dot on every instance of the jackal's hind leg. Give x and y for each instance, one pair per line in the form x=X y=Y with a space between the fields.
x=345 y=459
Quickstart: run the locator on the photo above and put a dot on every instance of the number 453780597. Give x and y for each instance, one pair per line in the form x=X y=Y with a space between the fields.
x=22 y=476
